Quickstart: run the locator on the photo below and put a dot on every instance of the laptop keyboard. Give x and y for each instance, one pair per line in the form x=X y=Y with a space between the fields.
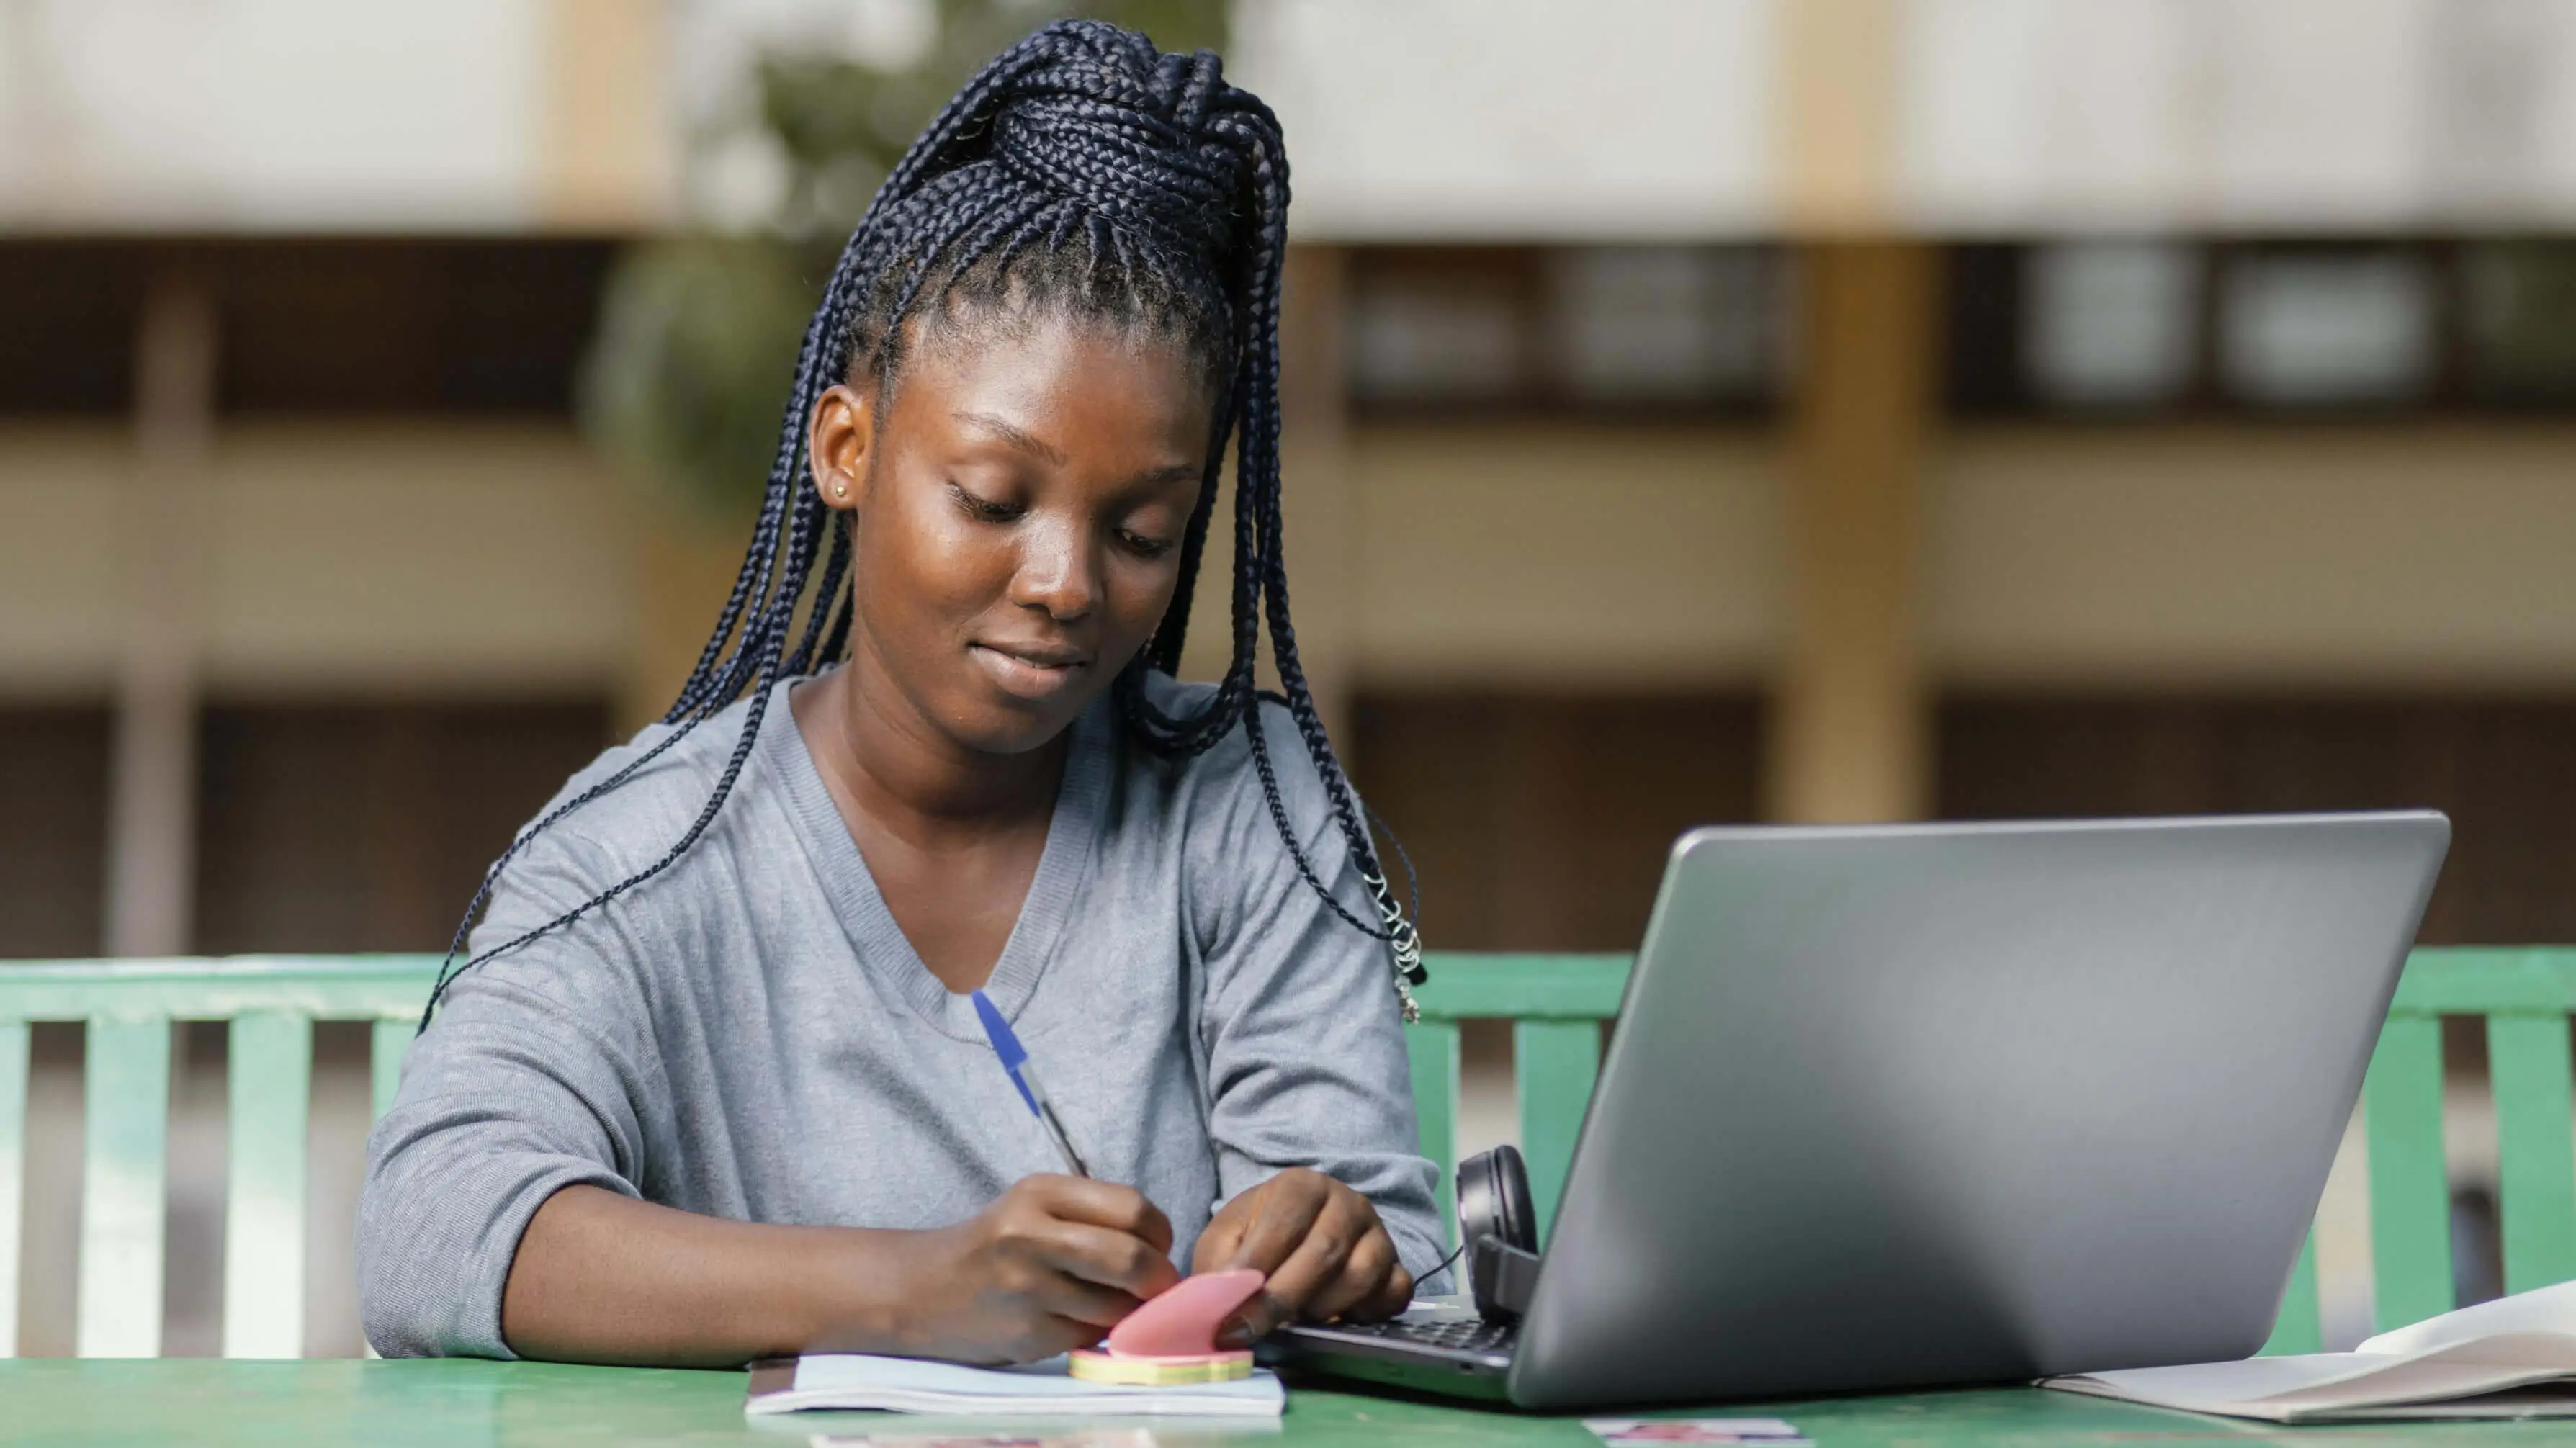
x=1470 y=1335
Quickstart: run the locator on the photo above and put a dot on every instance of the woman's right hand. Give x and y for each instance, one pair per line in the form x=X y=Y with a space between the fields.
x=601 y=1277
x=1050 y=1266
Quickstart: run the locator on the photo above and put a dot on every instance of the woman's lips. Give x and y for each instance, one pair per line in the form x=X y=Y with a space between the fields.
x=1028 y=677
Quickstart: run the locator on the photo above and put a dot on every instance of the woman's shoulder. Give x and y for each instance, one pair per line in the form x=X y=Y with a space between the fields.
x=627 y=807
x=1252 y=831
x=618 y=817
x=1222 y=787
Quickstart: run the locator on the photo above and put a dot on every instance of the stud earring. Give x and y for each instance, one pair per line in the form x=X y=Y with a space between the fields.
x=840 y=490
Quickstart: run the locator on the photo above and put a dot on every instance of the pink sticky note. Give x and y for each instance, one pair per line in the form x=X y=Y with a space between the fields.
x=1183 y=1321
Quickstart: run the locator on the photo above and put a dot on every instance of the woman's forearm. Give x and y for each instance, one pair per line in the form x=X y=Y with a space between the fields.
x=604 y=1278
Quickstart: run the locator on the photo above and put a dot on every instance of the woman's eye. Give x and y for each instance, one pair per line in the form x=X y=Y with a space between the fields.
x=984 y=509
x=1142 y=546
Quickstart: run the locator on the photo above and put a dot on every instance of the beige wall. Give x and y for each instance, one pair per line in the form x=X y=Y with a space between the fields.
x=368 y=557
x=398 y=558
x=1549 y=553
x=58 y=560
x=301 y=116
x=2406 y=556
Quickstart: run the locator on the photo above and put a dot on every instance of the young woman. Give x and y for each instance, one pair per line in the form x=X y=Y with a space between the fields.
x=707 y=1087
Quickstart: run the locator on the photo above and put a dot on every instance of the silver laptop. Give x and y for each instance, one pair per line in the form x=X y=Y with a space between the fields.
x=1897 y=1106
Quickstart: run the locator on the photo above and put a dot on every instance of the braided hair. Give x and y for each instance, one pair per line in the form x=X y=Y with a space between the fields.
x=1085 y=173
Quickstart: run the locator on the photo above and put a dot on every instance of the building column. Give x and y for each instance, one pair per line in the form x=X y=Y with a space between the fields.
x=607 y=153
x=1841 y=76
x=1850 y=727
x=152 y=819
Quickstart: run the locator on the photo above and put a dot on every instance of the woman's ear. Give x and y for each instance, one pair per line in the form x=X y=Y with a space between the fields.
x=837 y=446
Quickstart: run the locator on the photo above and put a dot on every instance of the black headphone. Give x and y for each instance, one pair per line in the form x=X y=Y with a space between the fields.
x=1500 y=1228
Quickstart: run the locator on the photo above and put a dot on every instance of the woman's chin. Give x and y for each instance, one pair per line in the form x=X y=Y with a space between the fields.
x=1000 y=723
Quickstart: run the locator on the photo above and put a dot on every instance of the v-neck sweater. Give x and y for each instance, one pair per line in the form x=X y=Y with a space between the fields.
x=750 y=1034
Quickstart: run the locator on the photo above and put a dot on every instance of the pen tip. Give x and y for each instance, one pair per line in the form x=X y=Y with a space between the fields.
x=997 y=1029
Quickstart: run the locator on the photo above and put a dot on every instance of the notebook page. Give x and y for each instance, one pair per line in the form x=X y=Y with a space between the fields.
x=2319 y=1385
x=2542 y=1309
x=916 y=1385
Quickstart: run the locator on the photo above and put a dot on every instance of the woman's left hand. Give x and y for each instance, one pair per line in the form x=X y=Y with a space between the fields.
x=1326 y=1253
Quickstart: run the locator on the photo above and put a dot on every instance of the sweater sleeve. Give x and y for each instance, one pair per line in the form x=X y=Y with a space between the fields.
x=528 y=1081
x=1304 y=1045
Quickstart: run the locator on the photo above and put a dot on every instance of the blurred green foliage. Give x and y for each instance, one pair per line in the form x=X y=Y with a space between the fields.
x=696 y=347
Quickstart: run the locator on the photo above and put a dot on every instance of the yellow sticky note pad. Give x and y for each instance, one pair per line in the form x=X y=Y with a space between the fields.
x=1158 y=1372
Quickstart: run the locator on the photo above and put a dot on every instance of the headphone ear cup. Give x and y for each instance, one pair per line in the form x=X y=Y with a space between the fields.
x=1494 y=1199
x=1519 y=1215
x=1480 y=1207
x=1499 y=1228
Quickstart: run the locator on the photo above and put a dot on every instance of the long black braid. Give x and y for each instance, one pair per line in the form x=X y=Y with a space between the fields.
x=1081 y=171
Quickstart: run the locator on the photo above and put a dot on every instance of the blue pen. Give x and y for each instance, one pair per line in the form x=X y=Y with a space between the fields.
x=1015 y=1059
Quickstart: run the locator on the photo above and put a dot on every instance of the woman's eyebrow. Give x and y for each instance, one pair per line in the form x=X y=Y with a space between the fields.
x=1016 y=437
x=1164 y=477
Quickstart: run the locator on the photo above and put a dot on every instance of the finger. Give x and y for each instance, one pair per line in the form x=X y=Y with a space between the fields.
x=1088 y=1305
x=1316 y=1261
x=1362 y=1278
x=1286 y=1207
x=1394 y=1297
x=1055 y=1334
x=1103 y=1204
x=1105 y=1256
x=1214 y=1250
x=1320 y=1258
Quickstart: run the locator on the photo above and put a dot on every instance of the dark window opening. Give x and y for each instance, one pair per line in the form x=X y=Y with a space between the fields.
x=2119 y=328
x=53 y=830
x=1634 y=332
x=2501 y=769
x=366 y=827
x=1541 y=822
x=311 y=326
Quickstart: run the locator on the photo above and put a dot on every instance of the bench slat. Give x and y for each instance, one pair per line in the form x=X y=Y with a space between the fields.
x=13 y=1174
x=2298 y=1329
x=1553 y=1065
x=325 y=987
x=2527 y=1061
x=127 y=1084
x=1471 y=984
x=1434 y=1051
x=2410 y=1201
x=2475 y=980
x=271 y=1069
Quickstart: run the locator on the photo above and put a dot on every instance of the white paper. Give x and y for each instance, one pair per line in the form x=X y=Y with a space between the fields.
x=2322 y=1386
x=917 y=1385
x=2542 y=1309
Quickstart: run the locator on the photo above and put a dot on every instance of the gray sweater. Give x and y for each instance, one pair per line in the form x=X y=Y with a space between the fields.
x=751 y=1036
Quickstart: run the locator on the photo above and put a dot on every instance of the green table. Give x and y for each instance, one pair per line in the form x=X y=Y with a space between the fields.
x=66 y=1403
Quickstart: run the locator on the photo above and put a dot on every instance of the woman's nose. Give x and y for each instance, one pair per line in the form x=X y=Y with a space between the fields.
x=1059 y=572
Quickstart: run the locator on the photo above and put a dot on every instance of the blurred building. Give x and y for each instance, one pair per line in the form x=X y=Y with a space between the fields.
x=1699 y=409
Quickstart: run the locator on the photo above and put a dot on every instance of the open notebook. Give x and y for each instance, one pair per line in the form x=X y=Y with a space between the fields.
x=915 y=1385
x=2514 y=1357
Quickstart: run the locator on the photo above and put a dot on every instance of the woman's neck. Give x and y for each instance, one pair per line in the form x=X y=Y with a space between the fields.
x=880 y=754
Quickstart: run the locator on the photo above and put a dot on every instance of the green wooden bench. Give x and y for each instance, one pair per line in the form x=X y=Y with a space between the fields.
x=271 y=1003
x=1556 y=1004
